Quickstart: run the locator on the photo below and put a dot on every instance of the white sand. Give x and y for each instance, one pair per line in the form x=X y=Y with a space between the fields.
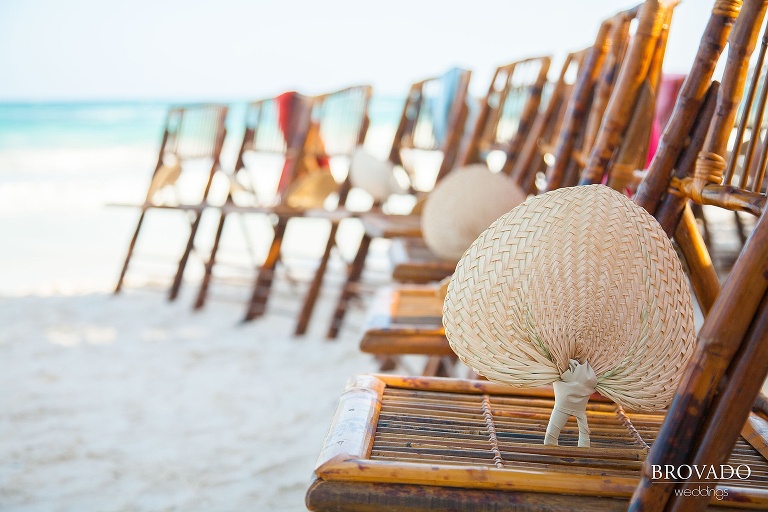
x=130 y=403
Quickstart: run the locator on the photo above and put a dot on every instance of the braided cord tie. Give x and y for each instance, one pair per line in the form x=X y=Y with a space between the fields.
x=709 y=169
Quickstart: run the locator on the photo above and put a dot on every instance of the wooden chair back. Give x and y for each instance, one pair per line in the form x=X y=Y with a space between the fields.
x=193 y=133
x=508 y=111
x=341 y=120
x=606 y=126
x=433 y=119
x=538 y=145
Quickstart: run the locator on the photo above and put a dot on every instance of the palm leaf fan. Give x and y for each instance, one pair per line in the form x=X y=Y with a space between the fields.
x=462 y=205
x=579 y=288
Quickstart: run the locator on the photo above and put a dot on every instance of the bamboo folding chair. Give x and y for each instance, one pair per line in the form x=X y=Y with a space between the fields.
x=419 y=443
x=407 y=319
x=193 y=136
x=323 y=127
x=432 y=120
x=507 y=114
x=274 y=128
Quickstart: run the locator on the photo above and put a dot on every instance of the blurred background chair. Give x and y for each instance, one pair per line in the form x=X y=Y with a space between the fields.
x=323 y=128
x=188 y=159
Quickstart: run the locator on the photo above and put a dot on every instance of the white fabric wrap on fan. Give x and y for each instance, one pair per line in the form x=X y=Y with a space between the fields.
x=572 y=393
x=574 y=276
x=462 y=205
x=373 y=175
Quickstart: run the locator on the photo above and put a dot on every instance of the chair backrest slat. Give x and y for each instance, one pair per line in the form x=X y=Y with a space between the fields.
x=433 y=118
x=546 y=126
x=508 y=111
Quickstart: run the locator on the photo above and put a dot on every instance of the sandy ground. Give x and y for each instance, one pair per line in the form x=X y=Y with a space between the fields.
x=130 y=403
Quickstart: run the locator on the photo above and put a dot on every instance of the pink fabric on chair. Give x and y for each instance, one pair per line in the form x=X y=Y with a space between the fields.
x=669 y=88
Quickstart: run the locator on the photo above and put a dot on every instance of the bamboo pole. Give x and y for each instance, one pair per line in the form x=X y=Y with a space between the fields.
x=634 y=71
x=688 y=103
x=718 y=341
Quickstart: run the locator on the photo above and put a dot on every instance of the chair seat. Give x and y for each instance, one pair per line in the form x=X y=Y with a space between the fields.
x=380 y=225
x=462 y=441
x=405 y=319
x=413 y=262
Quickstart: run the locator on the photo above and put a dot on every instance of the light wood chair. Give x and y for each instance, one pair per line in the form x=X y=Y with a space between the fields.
x=417 y=130
x=193 y=136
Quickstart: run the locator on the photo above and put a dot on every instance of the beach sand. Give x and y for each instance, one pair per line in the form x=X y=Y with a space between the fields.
x=118 y=403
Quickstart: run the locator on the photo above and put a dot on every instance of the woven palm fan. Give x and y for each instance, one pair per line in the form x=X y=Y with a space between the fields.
x=373 y=175
x=462 y=205
x=579 y=288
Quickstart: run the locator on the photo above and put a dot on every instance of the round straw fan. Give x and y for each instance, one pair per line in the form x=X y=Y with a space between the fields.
x=462 y=205
x=579 y=288
x=372 y=175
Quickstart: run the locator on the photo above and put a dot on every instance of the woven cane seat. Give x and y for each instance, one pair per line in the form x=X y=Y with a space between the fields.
x=431 y=439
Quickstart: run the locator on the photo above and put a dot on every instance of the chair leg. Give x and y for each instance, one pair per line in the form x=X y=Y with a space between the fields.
x=128 y=256
x=305 y=315
x=355 y=271
x=202 y=293
x=438 y=366
x=387 y=363
x=173 y=293
x=703 y=277
x=263 y=285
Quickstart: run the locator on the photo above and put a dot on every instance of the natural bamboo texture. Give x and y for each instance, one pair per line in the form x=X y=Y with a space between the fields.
x=405 y=319
x=689 y=102
x=707 y=414
x=579 y=273
x=439 y=435
x=653 y=22
x=546 y=126
x=413 y=262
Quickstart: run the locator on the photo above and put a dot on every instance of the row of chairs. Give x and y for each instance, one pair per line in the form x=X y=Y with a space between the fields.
x=307 y=134
x=426 y=443
x=302 y=136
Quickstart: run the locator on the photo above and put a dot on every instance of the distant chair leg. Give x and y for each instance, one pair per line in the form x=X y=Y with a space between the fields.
x=173 y=293
x=438 y=366
x=305 y=315
x=263 y=285
x=131 y=246
x=202 y=293
x=355 y=271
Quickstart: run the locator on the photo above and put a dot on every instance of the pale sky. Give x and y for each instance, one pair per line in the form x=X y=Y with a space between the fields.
x=227 y=49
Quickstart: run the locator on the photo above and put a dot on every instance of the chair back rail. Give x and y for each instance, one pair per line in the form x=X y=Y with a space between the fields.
x=433 y=118
x=547 y=125
x=640 y=66
x=508 y=111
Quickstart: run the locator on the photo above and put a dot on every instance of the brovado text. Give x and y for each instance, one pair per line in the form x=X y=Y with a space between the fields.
x=698 y=472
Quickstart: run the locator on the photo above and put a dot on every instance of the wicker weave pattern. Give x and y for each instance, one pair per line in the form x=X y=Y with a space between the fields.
x=579 y=273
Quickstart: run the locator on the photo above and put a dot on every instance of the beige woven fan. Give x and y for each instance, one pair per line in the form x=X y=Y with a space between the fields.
x=462 y=205
x=578 y=287
x=373 y=175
